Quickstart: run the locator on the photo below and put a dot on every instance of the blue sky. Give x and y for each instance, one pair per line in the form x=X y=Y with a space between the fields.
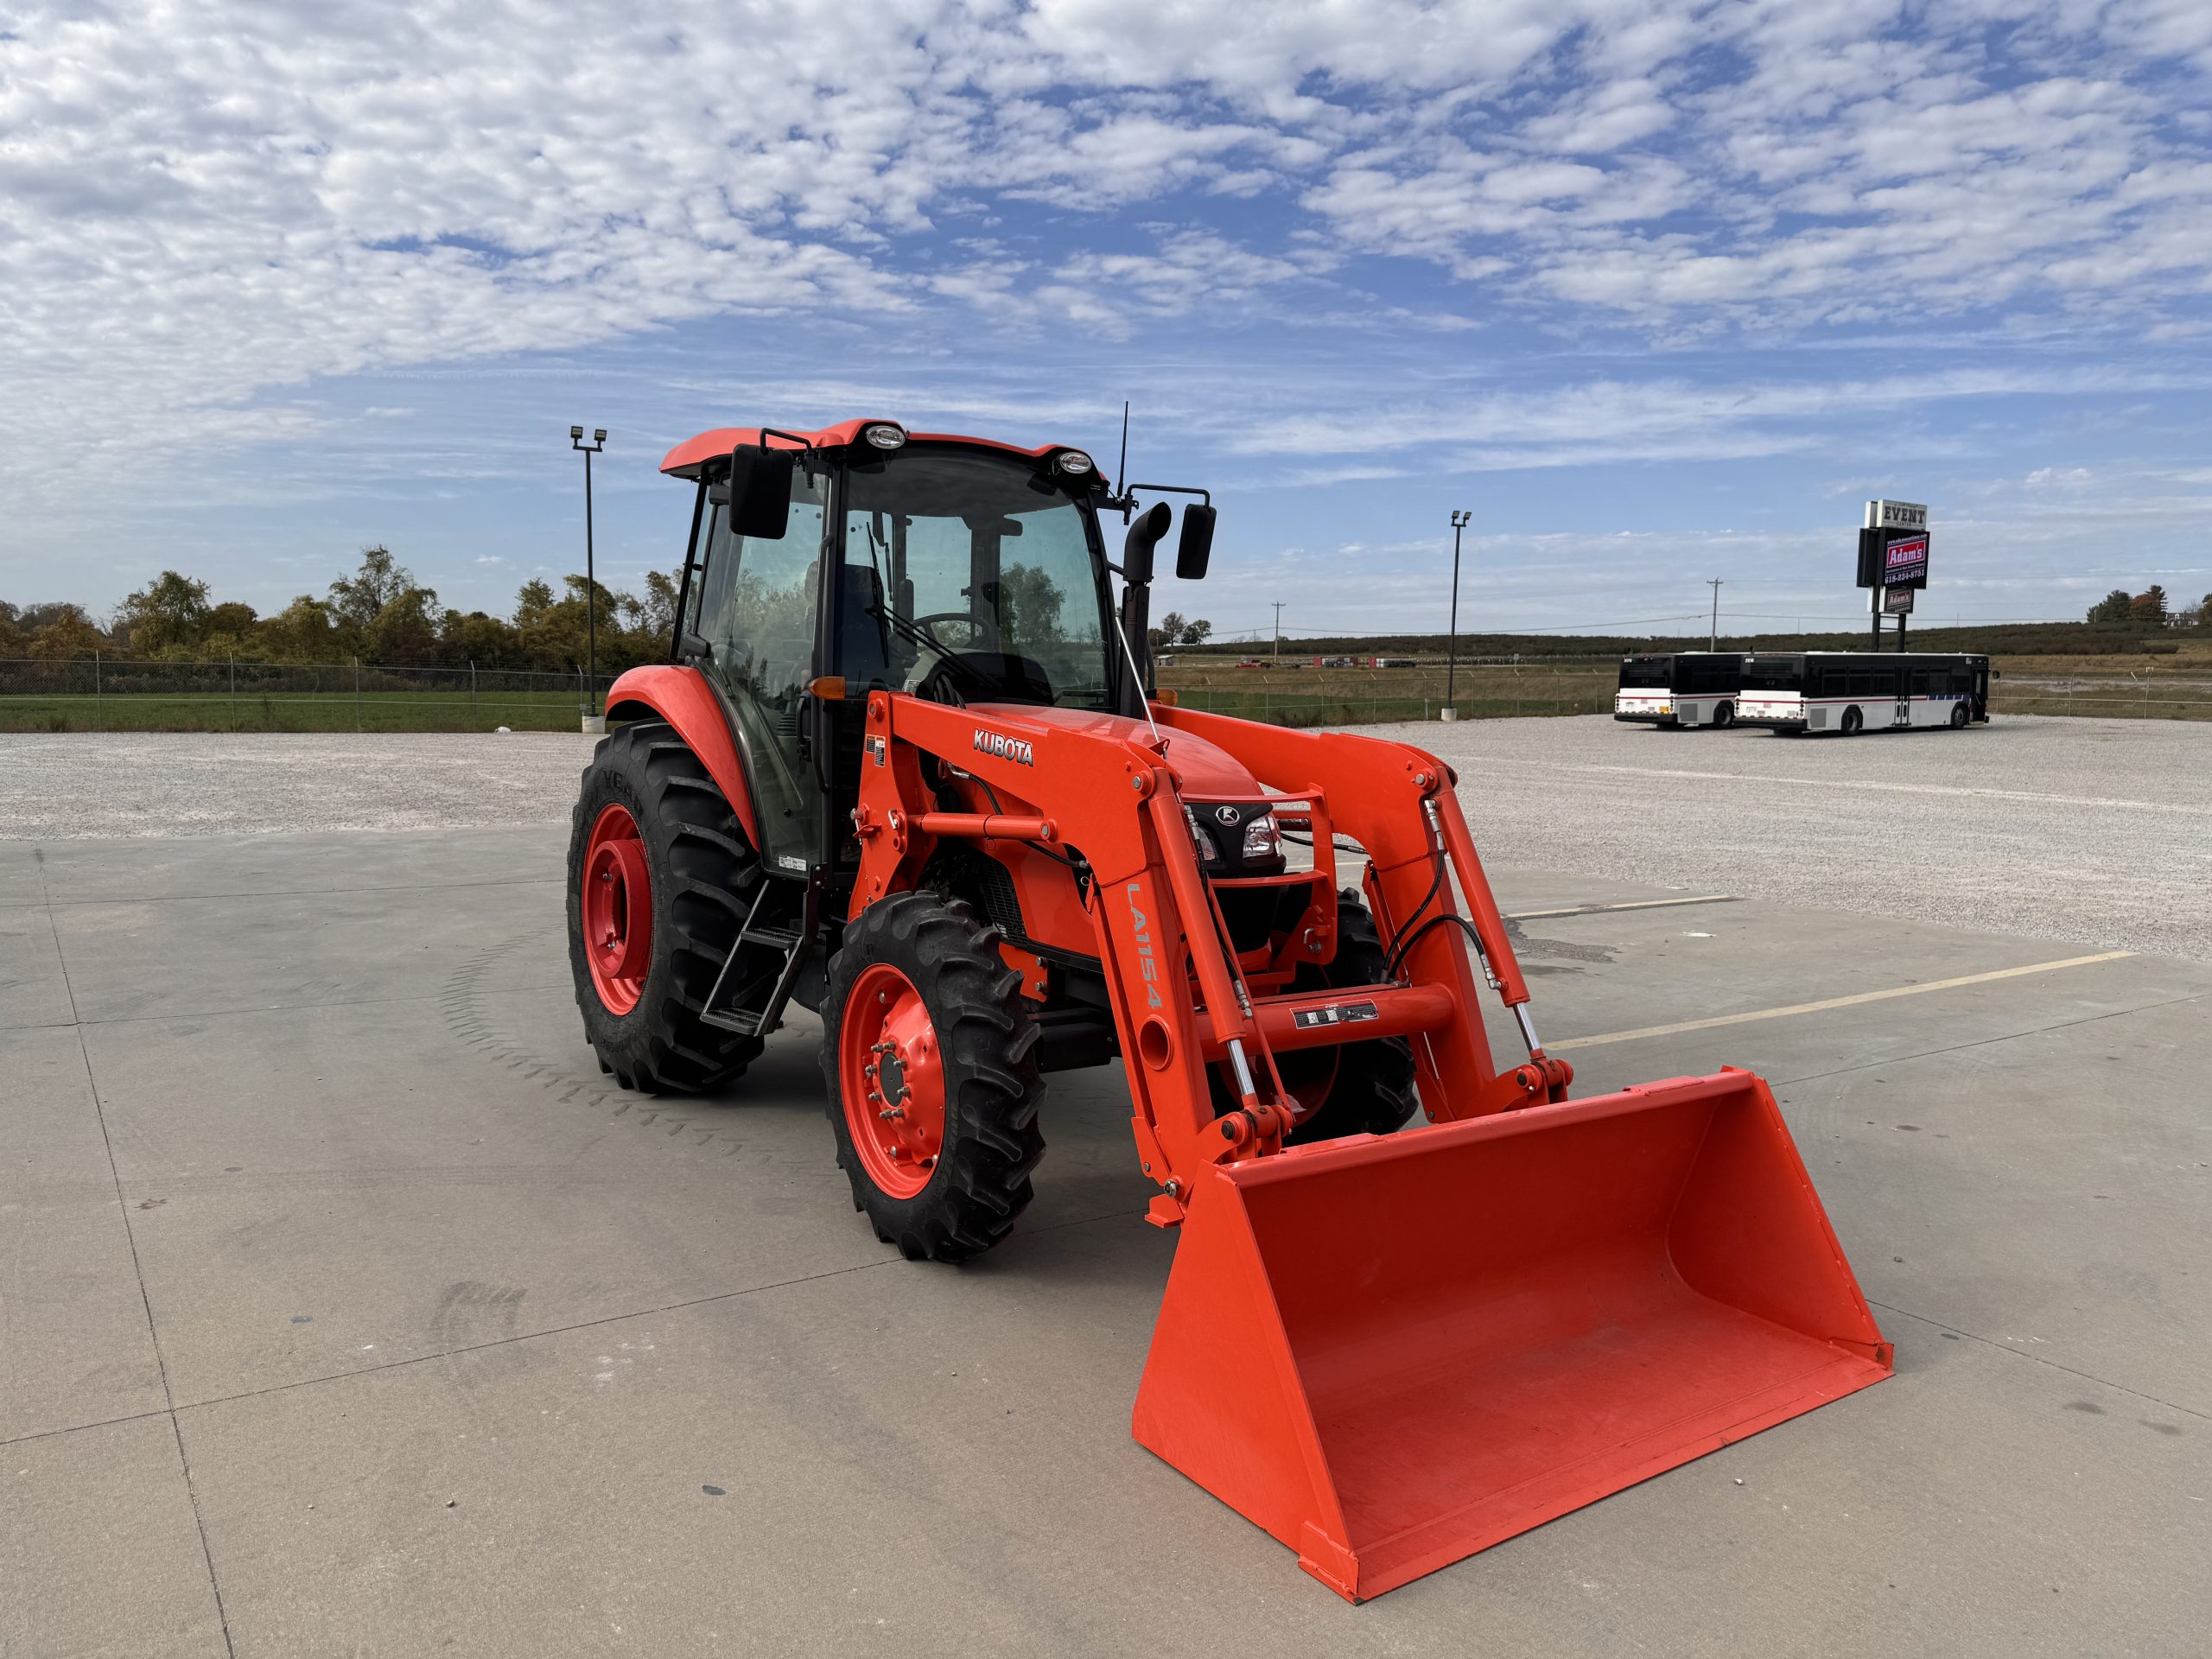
x=1660 y=292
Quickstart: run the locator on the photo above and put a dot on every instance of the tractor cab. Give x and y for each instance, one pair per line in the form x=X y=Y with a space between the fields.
x=865 y=558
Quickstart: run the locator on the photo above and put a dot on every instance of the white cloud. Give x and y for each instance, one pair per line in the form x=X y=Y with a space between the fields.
x=210 y=212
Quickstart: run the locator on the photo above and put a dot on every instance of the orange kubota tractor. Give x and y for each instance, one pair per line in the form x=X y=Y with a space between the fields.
x=908 y=769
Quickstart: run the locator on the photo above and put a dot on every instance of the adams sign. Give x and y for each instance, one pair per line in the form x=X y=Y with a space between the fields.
x=1893 y=547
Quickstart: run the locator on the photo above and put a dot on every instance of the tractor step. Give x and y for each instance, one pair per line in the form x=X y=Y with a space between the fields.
x=744 y=1021
x=748 y=1018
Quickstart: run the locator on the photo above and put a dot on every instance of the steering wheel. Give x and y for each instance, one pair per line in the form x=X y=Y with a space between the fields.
x=928 y=624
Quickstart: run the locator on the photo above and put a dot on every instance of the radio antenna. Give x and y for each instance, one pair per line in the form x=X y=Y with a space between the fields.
x=1122 y=469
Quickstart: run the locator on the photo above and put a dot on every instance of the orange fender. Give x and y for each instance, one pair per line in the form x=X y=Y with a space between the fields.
x=683 y=699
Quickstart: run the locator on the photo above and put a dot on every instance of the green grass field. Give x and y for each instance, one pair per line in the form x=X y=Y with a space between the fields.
x=2171 y=688
x=384 y=711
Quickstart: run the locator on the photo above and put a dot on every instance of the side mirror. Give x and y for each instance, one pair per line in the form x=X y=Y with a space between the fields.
x=1196 y=546
x=760 y=492
x=694 y=646
x=1144 y=536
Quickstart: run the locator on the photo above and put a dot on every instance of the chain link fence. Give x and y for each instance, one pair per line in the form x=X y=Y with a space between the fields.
x=2141 y=696
x=94 y=694
x=1482 y=689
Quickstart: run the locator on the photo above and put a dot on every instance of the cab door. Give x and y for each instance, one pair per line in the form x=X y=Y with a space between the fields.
x=758 y=603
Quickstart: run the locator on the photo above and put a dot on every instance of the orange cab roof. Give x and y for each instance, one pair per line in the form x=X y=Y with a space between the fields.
x=688 y=457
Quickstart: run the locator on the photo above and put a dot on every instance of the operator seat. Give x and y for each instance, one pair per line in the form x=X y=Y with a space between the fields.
x=863 y=637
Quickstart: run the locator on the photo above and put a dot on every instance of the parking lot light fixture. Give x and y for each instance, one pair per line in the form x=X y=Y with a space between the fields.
x=1460 y=519
x=591 y=579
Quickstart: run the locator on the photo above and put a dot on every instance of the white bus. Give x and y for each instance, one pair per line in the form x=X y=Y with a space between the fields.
x=1679 y=689
x=1845 y=692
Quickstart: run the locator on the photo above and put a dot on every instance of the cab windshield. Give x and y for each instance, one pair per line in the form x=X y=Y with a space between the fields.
x=969 y=576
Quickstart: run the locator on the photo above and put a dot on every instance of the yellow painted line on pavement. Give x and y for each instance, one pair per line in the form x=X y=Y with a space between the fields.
x=1827 y=1003
x=1633 y=904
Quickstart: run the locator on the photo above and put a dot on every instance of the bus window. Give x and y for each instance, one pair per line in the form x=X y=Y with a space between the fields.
x=1646 y=673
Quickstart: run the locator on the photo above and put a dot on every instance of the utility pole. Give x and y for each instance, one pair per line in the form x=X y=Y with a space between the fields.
x=591 y=579
x=1278 y=630
x=1460 y=520
x=1714 y=642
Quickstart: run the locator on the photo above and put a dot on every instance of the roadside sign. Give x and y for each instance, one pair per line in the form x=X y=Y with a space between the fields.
x=1893 y=546
x=1898 y=601
x=1905 y=559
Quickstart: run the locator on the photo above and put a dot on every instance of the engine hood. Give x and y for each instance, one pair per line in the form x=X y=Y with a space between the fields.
x=1204 y=770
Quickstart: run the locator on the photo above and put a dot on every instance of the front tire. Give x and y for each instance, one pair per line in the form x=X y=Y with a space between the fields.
x=659 y=878
x=933 y=1081
x=1959 y=716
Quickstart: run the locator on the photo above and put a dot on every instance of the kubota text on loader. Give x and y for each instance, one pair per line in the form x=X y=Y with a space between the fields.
x=907 y=768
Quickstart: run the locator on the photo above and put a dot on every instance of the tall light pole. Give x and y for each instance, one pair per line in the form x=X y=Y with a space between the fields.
x=1714 y=642
x=591 y=580
x=1460 y=520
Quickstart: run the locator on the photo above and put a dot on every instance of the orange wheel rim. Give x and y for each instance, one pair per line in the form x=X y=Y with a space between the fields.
x=891 y=1072
x=617 y=909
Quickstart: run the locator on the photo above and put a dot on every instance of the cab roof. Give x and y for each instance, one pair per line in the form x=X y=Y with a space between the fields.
x=690 y=457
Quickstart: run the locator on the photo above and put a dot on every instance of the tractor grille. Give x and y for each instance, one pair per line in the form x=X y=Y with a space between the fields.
x=995 y=886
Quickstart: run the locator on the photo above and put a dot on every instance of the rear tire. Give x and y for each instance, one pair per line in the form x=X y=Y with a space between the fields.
x=1854 y=721
x=1724 y=714
x=1373 y=1090
x=701 y=874
x=986 y=1086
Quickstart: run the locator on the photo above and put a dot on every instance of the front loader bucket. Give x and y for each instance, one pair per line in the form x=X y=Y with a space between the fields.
x=1391 y=1353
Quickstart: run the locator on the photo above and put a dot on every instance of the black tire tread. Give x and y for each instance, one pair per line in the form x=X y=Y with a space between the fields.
x=703 y=872
x=993 y=1087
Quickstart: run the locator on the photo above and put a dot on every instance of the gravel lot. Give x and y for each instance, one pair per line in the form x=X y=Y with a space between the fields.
x=2094 y=831
x=89 y=785
x=2099 y=831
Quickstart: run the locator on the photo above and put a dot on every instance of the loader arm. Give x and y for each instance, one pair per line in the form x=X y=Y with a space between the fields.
x=1111 y=804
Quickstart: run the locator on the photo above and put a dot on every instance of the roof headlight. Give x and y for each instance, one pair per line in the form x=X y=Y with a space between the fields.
x=883 y=434
x=1072 y=461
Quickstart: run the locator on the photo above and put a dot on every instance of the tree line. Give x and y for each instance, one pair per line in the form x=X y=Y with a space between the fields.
x=381 y=614
x=2148 y=609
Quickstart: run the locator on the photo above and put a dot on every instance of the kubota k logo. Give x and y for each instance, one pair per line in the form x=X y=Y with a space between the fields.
x=1004 y=747
x=1146 y=964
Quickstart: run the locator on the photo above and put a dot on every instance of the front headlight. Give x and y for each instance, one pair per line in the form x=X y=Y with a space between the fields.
x=1201 y=842
x=1261 y=840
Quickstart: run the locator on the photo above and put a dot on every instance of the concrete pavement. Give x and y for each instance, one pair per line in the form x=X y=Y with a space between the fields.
x=349 y=1309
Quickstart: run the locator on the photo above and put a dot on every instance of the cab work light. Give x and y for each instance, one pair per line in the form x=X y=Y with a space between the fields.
x=883 y=434
x=1072 y=461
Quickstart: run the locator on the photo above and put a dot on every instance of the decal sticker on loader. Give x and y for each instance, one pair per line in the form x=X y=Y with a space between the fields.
x=1002 y=746
x=1336 y=1013
x=1146 y=964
